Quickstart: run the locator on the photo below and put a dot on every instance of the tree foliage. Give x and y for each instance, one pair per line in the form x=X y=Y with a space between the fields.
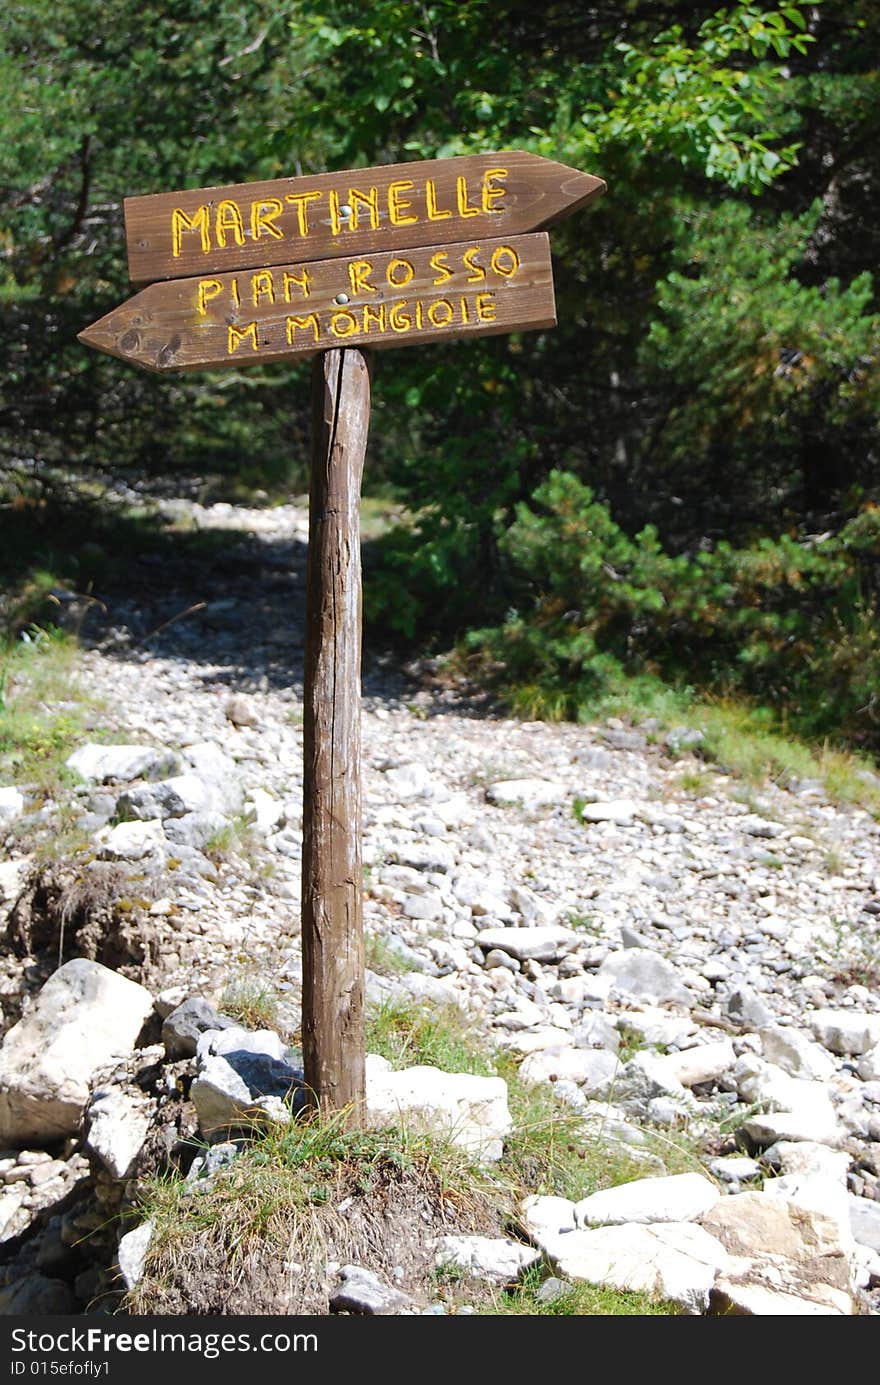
x=714 y=373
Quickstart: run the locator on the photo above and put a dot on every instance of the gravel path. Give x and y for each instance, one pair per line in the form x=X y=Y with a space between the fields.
x=569 y=886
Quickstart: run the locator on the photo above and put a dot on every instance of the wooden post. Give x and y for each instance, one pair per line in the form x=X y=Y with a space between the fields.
x=332 y=883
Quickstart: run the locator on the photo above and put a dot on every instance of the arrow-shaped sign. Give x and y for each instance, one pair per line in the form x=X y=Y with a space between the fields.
x=473 y=288
x=173 y=235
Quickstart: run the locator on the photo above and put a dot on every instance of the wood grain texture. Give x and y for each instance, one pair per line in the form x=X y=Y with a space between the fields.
x=469 y=289
x=332 y=881
x=395 y=207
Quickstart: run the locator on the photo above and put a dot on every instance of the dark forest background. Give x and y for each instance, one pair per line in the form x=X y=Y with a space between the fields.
x=677 y=487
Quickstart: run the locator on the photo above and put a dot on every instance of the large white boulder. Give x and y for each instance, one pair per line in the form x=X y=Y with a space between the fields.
x=543 y=944
x=636 y=971
x=846 y=1031
x=783 y=1246
x=103 y=764
x=84 y=1016
x=678 y=1262
x=679 y=1198
x=471 y=1111
x=702 y=1063
x=791 y=1050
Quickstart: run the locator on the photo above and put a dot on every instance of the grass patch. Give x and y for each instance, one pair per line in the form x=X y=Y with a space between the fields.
x=237 y=841
x=548 y=1152
x=381 y=957
x=408 y=1035
x=258 y=1237
x=42 y=710
x=694 y=781
x=250 y=1001
x=576 y=1301
x=739 y=738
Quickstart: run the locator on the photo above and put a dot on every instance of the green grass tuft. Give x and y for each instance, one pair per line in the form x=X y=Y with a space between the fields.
x=408 y=1035
x=42 y=710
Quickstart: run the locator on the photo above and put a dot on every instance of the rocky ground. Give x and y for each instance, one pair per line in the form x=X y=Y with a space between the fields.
x=667 y=951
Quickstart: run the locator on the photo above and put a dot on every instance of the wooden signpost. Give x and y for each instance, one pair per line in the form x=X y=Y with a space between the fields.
x=470 y=289
x=328 y=266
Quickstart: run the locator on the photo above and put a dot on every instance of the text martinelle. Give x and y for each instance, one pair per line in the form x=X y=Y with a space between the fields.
x=299 y=215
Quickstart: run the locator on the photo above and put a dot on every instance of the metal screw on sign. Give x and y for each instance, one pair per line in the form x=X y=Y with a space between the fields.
x=249 y=273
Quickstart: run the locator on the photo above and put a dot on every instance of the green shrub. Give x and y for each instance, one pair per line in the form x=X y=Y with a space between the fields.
x=791 y=621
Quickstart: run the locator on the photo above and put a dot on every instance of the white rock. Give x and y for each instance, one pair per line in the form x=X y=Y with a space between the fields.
x=636 y=971
x=806 y=1157
x=846 y=1031
x=84 y=1016
x=735 y=1169
x=530 y=794
x=14 y=1217
x=702 y=1063
x=219 y=772
x=117 y=1126
x=868 y=1066
x=791 y=1050
x=787 y=1247
x=814 y=1126
x=816 y=1193
x=591 y=1068
x=12 y=877
x=408 y=781
x=732 y=1297
x=495 y=1258
x=104 y=764
x=678 y=1198
x=757 y=1081
x=675 y=1262
x=472 y=1111
x=656 y=1026
x=195 y=830
x=536 y=944
x=360 y=1291
x=131 y=841
x=865 y=1221
x=132 y=1253
x=528 y=1041
x=619 y=810
x=546 y=1219
x=233 y=1091
x=11 y=804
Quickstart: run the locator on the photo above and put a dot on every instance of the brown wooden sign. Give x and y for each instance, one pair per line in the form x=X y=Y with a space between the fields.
x=328 y=266
x=473 y=288
x=173 y=235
